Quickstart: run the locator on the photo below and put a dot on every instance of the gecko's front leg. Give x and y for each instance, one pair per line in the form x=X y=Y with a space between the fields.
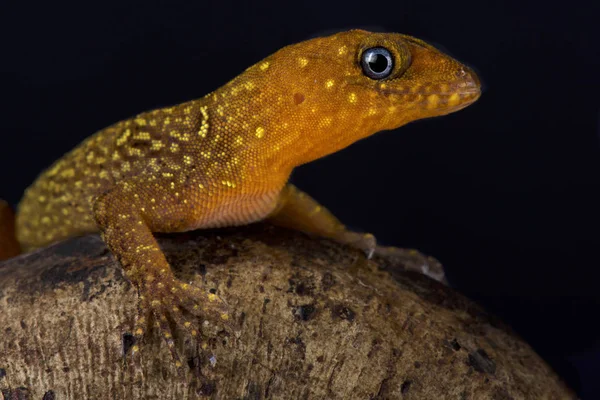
x=126 y=223
x=299 y=211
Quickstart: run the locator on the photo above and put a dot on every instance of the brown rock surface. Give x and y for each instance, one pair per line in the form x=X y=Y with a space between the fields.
x=312 y=320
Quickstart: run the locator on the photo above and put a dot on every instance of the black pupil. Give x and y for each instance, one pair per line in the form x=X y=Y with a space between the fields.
x=377 y=62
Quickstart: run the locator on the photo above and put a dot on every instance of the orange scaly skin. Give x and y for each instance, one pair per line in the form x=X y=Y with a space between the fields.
x=225 y=159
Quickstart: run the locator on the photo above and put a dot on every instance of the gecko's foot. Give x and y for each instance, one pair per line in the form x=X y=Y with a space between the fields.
x=414 y=260
x=176 y=307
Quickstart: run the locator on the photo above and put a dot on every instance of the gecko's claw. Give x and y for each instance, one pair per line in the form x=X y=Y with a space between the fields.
x=365 y=242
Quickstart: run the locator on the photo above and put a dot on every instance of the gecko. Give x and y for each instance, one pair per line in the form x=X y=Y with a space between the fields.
x=225 y=159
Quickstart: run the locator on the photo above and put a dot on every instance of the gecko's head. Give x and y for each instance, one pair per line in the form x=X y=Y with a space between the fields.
x=341 y=88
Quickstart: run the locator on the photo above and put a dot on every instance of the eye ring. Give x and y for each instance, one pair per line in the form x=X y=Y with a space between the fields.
x=377 y=62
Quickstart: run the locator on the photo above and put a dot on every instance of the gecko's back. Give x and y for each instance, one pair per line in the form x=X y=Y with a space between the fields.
x=58 y=204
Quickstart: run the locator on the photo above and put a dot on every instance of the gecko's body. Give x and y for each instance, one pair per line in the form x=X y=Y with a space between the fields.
x=225 y=159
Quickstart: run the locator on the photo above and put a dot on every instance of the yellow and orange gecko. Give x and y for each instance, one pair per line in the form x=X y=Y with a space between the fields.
x=225 y=159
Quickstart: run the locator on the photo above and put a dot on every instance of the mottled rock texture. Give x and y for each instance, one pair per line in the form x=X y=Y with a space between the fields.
x=311 y=320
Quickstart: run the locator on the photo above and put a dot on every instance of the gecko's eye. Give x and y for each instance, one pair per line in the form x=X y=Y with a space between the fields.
x=377 y=62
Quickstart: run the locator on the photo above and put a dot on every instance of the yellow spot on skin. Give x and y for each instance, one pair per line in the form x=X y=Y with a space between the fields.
x=433 y=101
x=204 y=124
x=123 y=138
x=329 y=83
x=139 y=332
x=224 y=317
x=140 y=121
x=135 y=348
x=212 y=297
x=157 y=145
x=142 y=136
x=184 y=137
x=187 y=159
x=68 y=173
x=342 y=50
x=454 y=99
x=260 y=132
x=178 y=364
x=264 y=66
x=303 y=62
x=352 y=98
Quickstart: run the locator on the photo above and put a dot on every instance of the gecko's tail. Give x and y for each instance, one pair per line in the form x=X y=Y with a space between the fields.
x=9 y=246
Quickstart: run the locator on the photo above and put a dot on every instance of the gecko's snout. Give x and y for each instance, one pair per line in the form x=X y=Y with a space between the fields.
x=465 y=90
x=468 y=82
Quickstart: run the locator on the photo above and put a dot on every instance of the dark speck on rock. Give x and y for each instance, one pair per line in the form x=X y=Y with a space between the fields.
x=405 y=386
x=128 y=341
x=49 y=395
x=343 y=312
x=2 y=373
x=20 y=393
x=327 y=281
x=207 y=388
x=481 y=362
x=300 y=287
x=304 y=312
x=454 y=344
x=264 y=307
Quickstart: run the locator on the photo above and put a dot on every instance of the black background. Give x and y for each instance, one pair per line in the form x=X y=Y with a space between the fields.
x=505 y=193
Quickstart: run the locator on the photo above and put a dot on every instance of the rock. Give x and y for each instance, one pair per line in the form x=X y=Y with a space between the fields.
x=312 y=320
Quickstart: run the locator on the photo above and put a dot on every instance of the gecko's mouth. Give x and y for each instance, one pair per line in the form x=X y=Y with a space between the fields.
x=441 y=98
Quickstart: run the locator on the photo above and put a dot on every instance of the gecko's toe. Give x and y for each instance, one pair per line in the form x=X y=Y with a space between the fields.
x=181 y=313
x=414 y=260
